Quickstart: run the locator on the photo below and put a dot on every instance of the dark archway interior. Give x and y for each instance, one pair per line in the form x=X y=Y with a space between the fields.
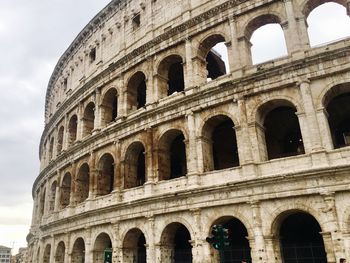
x=89 y=118
x=141 y=94
x=141 y=249
x=182 y=246
x=114 y=108
x=238 y=249
x=66 y=190
x=110 y=106
x=176 y=78
x=339 y=120
x=225 y=152
x=103 y=242
x=215 y=65
x=72 y=128
x=282 y=133
x=178 y=165
x=78 y=252
x=82 y=184
x=141 y=172
x=301 y=240
x=60 y=140
x=106 y=175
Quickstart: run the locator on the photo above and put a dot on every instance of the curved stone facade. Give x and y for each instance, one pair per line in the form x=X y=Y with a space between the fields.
x=150 y=139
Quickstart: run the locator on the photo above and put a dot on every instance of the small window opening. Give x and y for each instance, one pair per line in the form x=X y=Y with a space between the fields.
x=92 y=55
x=136 y=21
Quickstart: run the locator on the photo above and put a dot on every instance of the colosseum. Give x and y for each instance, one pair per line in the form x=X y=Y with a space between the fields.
x=151 y=138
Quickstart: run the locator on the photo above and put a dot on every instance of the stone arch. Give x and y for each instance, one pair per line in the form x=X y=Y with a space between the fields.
x=308 y=5
x=47 y=254
x=106 y=174
x=296 y=234
x=60 y=139
x=176 y=243
x=135 y=165
x=88 y=119
x=72 y=129
x=136 y=91
x=78 y=251
x=210 y=63
x=82 y=182
x=170 y=75
x=219 y=142
x=134 y=246
x=52 y=196
x=103 y=242
x=336 y=102
x=172 y=160
x=60 y=252
x=109 y=106
x=278 y=129
x=66 y=188
x=238 y=249
x=257 y=23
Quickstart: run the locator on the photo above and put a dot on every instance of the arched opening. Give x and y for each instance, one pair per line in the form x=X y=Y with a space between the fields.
x=238 y=249
x=172 y=155
x=134 y=246
x=263 y=33
x=60 y=139
x=89 y=119
x=52 y=196
x=327 y=22
x=72 y=129
x=176 y=244
x=105 y=180
x=52 y=141
x=219 y=144
x=42 y=203
x=136 y=92
x=281 y=130
x=60 y=251
x=300 y=239
x=213 y=52
x=47 y=254
x=171 y=76
x=135 y=172
x=337 y=102
x=103 y=242
x=82 y=182
x=66 y=190
x=78 y=251
x=109 y=107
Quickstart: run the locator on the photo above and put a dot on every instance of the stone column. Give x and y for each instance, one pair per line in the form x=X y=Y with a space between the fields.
x=245 y=144
x=98 y=115
x=151 y=249
x=116 y=243
x=272 y=249
x=72 y=198
x=150 y=88
x=93 y=176
x=57 y=194
x=332 y=226
x=346 y=237
x=67 y=255
x=52 y=250
x=294 y=40
x=313 y=129
x=328 y=245
x=236 y=59
x=192 y=169
x=191 y=80
x=258 y=252
x=322 y=119
x=89 y=247
x=65 y=134
x=80 y=120
x=304 y=129
x=118 y=170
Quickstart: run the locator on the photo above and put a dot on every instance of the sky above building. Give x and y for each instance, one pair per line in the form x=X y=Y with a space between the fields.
x=33 y=35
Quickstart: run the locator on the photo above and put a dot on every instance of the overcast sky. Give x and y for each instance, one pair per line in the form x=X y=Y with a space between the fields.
x=33 y=35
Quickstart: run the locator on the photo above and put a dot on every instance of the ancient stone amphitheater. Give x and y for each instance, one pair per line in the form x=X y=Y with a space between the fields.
x=150 y=139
